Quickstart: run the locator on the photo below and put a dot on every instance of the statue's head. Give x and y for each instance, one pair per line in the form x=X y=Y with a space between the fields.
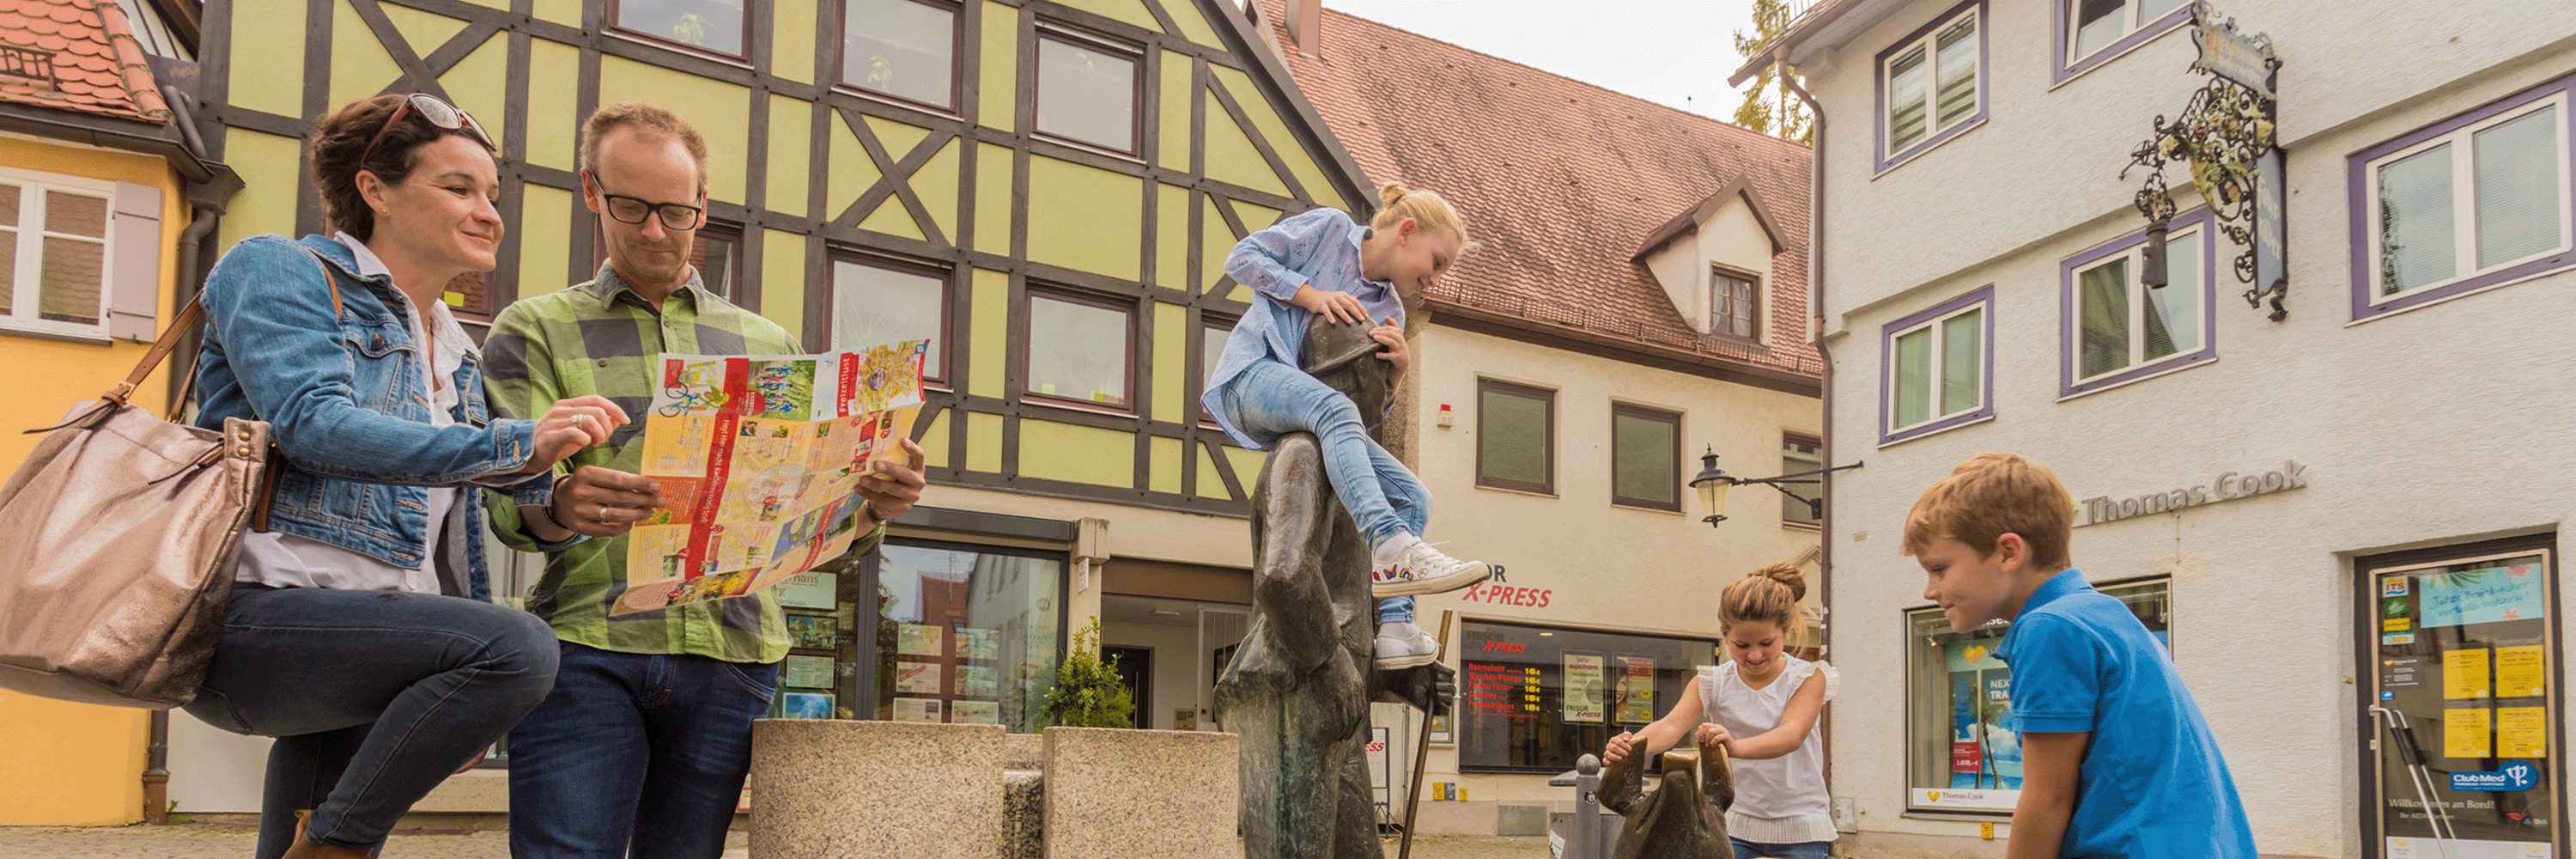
x=1344 y=358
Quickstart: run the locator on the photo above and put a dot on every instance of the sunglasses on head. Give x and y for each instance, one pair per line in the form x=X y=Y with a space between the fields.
x=439 y=113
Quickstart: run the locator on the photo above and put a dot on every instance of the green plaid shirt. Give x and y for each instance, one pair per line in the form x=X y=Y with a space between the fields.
x=601 y=338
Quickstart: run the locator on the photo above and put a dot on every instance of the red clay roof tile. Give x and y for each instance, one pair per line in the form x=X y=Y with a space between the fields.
x=77 y=55
x=1559 y=180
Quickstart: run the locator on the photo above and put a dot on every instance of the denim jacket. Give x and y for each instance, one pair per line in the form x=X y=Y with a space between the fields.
x=347 y=405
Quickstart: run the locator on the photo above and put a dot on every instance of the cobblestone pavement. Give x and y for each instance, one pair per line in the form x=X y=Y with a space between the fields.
x=200 y=841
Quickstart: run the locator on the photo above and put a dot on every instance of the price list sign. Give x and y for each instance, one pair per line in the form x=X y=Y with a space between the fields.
x=1504 y=691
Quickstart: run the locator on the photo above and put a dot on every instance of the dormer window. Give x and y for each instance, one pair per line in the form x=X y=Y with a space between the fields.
x=1734 y=303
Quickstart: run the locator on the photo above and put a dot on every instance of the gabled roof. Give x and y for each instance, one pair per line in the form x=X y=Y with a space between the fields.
x=1561 y=182
x=1691 y=220
x=76 y=55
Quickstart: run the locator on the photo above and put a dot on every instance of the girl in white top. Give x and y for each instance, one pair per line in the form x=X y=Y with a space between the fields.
x=1762 y=705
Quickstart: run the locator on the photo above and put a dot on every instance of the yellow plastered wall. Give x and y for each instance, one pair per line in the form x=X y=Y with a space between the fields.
x=1085 y=218
x=77 y=764
x=782 y=286
x=1078 y=454
x=721 y=111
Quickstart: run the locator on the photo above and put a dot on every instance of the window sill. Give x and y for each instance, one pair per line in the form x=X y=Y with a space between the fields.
x=1529 y=492
x=1920 y=149
x=97 y=337
x=1904 y=436
x=1959 y=816
x=1088 y=146
x=1642 y=508
x=2153 y=371
x=1808 y=527
x=2430 y=296
x=1085 y=406
x=681 y=48
x=856 y=91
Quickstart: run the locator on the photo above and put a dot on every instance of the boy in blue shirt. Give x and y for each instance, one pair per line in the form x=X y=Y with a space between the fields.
x=2116 y=758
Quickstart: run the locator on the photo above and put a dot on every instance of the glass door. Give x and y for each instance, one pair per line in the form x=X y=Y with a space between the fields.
x=2461 y=648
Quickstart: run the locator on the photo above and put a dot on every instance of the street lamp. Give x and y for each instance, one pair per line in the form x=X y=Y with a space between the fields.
x=1713 y=482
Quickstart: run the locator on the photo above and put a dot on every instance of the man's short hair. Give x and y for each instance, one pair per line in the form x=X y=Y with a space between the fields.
x=651 y=120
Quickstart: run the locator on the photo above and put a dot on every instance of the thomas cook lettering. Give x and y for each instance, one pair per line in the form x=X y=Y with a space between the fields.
x=2229 y=486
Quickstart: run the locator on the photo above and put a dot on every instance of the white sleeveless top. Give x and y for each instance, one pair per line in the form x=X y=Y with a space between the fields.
x=1782 y=800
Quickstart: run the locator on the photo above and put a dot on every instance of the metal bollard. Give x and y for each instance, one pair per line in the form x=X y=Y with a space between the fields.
x=1585 y=837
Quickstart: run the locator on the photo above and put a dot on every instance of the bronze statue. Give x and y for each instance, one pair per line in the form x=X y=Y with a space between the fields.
x=1297 y=691
x=1685 y=818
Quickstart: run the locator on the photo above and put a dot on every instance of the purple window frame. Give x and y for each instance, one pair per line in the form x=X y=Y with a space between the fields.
x=2364 y=305
x=2063 y=25
x=1885 y=160
x=2069 y=355
x=1887 y=368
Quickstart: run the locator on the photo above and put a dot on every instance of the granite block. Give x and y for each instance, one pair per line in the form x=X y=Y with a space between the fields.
x=1116 y=793
x=843 y=789
x=1023 y=813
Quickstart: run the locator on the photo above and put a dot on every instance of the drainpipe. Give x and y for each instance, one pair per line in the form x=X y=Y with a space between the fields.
x=206 y=200
x=1816 y=335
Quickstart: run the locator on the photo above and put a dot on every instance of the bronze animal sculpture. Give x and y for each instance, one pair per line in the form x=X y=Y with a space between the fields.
x=1685 y=818
x=1297 y=691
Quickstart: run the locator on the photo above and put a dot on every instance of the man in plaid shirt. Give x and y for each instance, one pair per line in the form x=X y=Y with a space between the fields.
x=646 y=739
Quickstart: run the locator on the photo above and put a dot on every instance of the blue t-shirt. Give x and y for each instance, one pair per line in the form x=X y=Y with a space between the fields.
x=2152 y=785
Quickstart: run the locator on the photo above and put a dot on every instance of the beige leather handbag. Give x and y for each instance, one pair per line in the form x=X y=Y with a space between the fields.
x=116 y=542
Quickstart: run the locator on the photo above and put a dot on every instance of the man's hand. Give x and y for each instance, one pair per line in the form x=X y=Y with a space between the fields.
x=1339 y=307
x=599 y=502
x=892 y=489
x=1396 y=352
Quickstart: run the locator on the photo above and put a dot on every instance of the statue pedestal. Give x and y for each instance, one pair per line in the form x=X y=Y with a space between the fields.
x=1113 y=793
x=830 y=788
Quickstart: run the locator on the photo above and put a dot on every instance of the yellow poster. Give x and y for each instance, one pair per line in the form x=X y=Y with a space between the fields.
x=2464 y=673
x=2465 y=732
x=2518 y=672
x=2522 y=732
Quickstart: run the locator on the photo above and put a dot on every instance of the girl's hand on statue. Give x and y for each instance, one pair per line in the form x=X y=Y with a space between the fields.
x=1340 y=307
x=1712 y=734
x=1618 y=748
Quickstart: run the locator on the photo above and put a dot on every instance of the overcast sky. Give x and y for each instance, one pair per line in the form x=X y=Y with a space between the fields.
x=1675 y=52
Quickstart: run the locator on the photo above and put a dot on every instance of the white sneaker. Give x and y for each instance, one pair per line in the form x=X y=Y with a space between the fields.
x=1401 y=644
x=1406 y=566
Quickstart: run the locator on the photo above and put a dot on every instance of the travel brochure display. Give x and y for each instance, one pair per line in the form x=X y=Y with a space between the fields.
x=918 y=678
x=809 y=590
x=812 y=631
x=812 y=672
x=917 y=639
x=943 y=673
x=1985 y=752
x=2464 y=662
x=916 y=709
x=759 y=459
x=805 y=705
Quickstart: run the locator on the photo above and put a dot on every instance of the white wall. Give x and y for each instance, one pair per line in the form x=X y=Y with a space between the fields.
x=1177 y=665
x=2437 y=426
x=1607 y=567
x=1731 y=237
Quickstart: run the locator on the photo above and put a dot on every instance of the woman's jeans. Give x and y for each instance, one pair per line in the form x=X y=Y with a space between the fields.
x=374 y=697
x=1271 y=399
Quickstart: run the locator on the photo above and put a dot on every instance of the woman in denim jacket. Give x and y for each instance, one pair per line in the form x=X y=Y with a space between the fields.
x=360 y=632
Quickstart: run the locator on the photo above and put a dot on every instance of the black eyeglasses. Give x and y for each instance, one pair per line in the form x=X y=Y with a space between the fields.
x=633 y=210
x=439 y=113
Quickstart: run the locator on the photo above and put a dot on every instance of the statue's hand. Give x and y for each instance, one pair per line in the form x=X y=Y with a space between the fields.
x=1429 y=688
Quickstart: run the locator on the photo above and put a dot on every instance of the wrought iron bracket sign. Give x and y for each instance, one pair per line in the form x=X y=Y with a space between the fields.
x=2226 y=132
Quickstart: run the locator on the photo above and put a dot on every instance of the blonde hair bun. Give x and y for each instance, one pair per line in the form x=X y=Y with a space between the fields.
x=1390 y=192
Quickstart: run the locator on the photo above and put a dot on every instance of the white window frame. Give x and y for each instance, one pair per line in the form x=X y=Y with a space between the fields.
x=2464 y=213
x=1985 y=386
x=27 y=282
x=2129 y=26
x=1928 y=41
x=2136 y=257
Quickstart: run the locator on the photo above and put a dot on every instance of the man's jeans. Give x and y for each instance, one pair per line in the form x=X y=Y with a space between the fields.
x=1271 y=399
x=375 y=697
x=636 y=750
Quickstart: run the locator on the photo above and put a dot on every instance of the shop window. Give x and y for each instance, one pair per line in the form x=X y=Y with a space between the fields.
x=1963 y=752
x=1936 y=367
x=1734 y=304
x=877 y=301
x=1535 y=698
x=907 y=49
x=1515 y=437
x=2476 y=201
x=2121 y=329
x=961 y=635
x=2092 y=32
x=1089 y=90
x=1081 y=348
x=2459 y=660
x=1645 y=457
x=712 y=26
x=1931 y=86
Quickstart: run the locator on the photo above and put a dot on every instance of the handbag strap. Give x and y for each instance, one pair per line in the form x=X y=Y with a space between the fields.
x=276 y=458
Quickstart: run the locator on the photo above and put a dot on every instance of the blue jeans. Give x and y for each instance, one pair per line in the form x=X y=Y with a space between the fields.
x=1271 y=399
x=374 y=697
x=1808 y=850
x=635 y=749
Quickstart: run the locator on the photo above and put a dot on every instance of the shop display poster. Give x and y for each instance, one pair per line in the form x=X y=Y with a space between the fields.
x=921 y=639
x=2466 y=731
x=920 y=678
x=805 y=705
x=812 y=631
x=916 y=710
x=809 y=590
x=813 y=672
x=759 y=459
x=2520 y=673
x=975 y=643
x=2491 y=595
x=2522 y=732
x=1984 y=751
x=2464 y=673
x=975 y=712
x=1584 y=688
x=1636 y=690
x=977 y=681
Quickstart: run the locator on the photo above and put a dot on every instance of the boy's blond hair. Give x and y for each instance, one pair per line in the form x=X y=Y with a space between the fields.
x=1990 y=495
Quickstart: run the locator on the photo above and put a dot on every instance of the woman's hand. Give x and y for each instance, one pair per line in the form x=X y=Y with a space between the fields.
x=570 y=425
x=1397 y=352
x=1712 y=734
x=1618 y=748
x=1339 y=307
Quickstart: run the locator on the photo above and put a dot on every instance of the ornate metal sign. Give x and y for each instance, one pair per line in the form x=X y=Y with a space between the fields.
x=2226 y=132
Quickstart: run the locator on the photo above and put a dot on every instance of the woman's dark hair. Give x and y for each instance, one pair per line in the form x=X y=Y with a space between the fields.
x=341 y=139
